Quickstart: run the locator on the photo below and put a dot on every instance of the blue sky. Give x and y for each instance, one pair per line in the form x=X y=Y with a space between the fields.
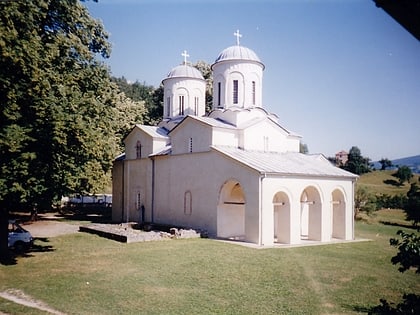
x=341 y=73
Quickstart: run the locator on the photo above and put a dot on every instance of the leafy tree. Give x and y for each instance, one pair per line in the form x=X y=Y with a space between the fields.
x=398 y=201
x=206 y=71
x=412 y=208
x=356 y=163
x=151 y=98
x=404 y=174
x=128 y=113
x=408 y=255
x=364 y=201
x=385 y=163
x=58 y=105
x=303 y=148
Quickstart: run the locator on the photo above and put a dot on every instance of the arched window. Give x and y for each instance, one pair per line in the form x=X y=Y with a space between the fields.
x=235 y=91
x=219 y=93
x=181 y=105
x=253 y=93
x=138 y=149
x=196 y=105
x=187 y=203
x=168 y=106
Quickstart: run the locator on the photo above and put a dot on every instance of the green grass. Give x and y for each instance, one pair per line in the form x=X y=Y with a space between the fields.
x=376 y=182
x=86 y=274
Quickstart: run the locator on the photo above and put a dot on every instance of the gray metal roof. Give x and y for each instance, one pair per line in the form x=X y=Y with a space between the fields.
x=290 y=163
x=155 y=132
x=214 y=122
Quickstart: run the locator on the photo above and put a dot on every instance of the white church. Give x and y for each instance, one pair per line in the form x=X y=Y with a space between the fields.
x=235 y=173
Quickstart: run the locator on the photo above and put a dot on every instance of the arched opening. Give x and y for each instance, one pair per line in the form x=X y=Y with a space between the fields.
x=281 y=211
x=338 y=215
x=231 y=211
x=311 y=214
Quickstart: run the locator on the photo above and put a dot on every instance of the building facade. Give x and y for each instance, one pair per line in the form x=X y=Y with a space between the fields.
x=236 y=172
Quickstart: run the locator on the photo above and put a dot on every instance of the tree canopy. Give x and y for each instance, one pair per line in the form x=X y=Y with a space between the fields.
x=404 y=174
x=357 y=163
x=140 y=92
x=60 y=112
x=385 y=163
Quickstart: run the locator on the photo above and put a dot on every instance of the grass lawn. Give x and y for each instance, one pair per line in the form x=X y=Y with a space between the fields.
x=376 y=182
x=86 y=274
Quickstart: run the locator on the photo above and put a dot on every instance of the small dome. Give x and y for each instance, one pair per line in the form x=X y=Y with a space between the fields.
x=238 y=53
x=185 y=71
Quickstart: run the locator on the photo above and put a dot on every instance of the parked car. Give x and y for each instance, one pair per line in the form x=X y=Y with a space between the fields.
x=19 y=239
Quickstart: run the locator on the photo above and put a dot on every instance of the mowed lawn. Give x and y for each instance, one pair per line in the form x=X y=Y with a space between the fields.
x=86 y=274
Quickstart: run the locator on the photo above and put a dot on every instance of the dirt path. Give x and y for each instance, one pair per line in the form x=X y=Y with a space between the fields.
x=49 y=226
x=17 y=296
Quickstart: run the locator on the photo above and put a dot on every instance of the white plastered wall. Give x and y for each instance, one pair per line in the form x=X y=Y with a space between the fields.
x=203 y=175
x=294 y=188
x=245 y=72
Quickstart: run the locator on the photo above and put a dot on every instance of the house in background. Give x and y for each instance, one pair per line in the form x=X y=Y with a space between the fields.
x=236 y=172
x=341 y=158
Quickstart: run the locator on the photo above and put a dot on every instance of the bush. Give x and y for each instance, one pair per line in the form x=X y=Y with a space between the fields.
x=392 y=202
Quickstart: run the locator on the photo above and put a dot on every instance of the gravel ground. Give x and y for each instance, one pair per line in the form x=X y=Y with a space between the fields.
x=50 y=228
x=48 y=225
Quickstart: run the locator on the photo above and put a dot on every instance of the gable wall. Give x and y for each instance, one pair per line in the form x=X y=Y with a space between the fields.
x=149 y=144
x=190 y=129
x=225 y=137
x=265 y=136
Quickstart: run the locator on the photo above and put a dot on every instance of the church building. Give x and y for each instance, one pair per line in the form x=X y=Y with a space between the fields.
x=235 y=173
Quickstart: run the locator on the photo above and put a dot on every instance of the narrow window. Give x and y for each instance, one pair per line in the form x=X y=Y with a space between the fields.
x=196 y=105
x=187 y=203
x=138 y=150
x=235 y=91
x=181 y=104
x=253 y=92
x=138 y=202
x=219 y=93
x=265 y=144
x=190 y=145
x=168 y=106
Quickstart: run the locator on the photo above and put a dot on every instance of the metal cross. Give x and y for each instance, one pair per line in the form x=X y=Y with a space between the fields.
x=185 y=55
x=238 y=35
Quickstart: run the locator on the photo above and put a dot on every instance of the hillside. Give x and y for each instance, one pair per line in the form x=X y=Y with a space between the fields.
x=376 y=182
x=413 y=162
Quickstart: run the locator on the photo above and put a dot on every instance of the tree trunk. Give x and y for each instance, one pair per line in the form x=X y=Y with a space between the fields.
x=4 y=233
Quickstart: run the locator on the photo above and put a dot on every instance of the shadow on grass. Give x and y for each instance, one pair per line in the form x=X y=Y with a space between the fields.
x=407 y=225
x=409 y=305
x=13 y=256
x=37 y=248
x=392 y=182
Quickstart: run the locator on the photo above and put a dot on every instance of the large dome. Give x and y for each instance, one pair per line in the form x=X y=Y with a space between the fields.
x=237 y=53
x=185 y=71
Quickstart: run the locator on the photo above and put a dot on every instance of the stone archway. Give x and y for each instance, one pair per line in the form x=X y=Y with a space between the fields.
x=231 y=211
x=338 y=215
x=311 y=214
x=281 y=211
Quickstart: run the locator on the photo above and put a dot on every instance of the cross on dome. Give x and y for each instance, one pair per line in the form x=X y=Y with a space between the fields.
x=238 y=36
x=185 y=55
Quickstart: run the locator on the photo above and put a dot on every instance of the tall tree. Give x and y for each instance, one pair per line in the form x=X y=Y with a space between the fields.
x=412 y=207
x=57 y=126
x=356 y=163
x=140 y=92
x=385 y=163
x=404 y=174
x=206 y=71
